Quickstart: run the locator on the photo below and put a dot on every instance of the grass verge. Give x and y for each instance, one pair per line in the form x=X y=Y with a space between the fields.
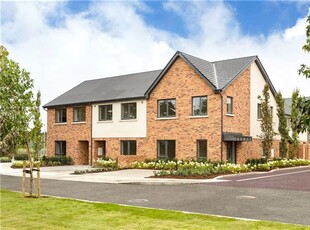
x=55 y=213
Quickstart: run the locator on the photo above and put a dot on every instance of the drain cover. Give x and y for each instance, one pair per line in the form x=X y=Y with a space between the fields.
x=246 y=197
x=138 y=200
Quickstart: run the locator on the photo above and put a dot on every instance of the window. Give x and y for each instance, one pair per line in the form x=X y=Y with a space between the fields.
x=229 y=102
x=105 y=112
x=129 y=111
x=166 y=108
x=166 y=149
x=259 y=111
x=61 y=115
x=200 y=106
x=128 y=147
x=202 y=149
x=60 y=148
x=79 y=114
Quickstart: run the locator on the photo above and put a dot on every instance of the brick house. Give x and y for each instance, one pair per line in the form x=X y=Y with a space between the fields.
x=191 y=109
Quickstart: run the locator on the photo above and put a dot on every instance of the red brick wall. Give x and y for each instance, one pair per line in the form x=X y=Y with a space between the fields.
x=182 y=82
x=72 y=133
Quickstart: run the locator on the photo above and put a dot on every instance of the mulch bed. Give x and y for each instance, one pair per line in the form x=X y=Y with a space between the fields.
x=189 y=176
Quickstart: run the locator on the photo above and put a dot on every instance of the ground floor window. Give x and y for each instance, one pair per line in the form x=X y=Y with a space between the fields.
x=128 y=147
x=60 y=148
x=202 y=149
x=166 y=149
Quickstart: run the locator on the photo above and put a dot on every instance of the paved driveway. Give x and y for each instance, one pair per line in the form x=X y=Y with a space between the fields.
x=235 y=198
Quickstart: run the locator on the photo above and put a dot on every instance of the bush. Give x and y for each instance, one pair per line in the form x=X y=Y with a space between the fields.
x=19 y=164
x=5 y=159
x=187 y=168
x=21 y=157
x=56 y=160
x=107 y=164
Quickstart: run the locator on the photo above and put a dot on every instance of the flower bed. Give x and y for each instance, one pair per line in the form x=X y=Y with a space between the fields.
x=193 y=168
x=45 y=161
x=104 y=165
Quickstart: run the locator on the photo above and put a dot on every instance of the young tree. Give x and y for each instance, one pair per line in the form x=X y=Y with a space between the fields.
x=282 y=128
x=36 y=134
x=295 y=122
x=267 y=132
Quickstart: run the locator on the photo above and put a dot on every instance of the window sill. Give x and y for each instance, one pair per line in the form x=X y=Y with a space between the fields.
x=202 y=116
x=107 y=121
x=60 y=123
x=78 y=122
x=165 y=118
x=128 y=120
x=230 y=115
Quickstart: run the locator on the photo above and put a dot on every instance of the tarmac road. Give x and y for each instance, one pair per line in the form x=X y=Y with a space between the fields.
x=263 y=202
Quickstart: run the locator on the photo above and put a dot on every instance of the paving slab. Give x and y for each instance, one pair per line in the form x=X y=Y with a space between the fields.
x=127 y=176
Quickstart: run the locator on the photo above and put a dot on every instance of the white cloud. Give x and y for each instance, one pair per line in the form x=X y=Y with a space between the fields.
x=112 y=38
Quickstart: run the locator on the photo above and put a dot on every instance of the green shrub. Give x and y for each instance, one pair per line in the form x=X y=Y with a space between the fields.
x=19 y=164
x=106 y=164
x=21 y=157
x=56 y=160
x=5 y=159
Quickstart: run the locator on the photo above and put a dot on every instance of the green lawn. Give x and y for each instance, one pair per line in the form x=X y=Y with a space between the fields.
x=55 y=213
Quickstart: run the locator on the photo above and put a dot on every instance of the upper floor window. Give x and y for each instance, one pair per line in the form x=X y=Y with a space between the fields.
x=229 y=103
x=129 y=111
x=79 y=114
x=60 y=148
x=61 y=115
x=259 y=111
x=202 y=149
x=105 y=113
x=129 y=147
x=166 y=108
x=199 y=106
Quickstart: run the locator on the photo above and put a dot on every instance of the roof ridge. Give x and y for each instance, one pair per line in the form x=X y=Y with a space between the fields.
x=194 y=56
x=215 y=76
x=253 y=56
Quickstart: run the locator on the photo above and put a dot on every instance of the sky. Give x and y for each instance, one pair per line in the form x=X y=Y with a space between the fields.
x=63 y=43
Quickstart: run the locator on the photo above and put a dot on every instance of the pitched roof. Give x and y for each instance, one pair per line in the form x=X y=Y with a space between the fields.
x=130 y=86
x=218 y=74
x=288 y=104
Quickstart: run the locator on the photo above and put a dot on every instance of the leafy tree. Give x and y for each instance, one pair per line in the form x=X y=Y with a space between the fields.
x=267 y=132
x=282 y=128
x=304 y=69
x=295 y=122
x=15 y=103
x=303 y=104
x=18 y=109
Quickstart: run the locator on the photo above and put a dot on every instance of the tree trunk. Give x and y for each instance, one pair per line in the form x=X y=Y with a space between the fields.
x=31 y=168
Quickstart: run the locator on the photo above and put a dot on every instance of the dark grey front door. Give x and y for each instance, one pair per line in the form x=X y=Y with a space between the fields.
x=231 y=151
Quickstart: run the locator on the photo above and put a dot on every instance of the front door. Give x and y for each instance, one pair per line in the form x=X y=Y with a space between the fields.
x=231 y=152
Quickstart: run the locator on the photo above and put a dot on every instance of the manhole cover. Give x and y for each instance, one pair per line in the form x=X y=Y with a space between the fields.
x=137 y=200
x=246 y=197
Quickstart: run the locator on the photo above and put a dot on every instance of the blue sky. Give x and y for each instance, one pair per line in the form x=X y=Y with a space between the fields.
x=254 y=17
x=62 y=43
